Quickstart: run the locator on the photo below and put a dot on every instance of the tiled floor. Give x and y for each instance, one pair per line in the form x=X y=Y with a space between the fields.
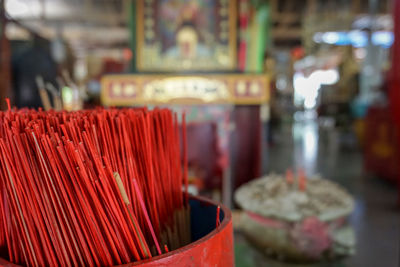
x=334 y=155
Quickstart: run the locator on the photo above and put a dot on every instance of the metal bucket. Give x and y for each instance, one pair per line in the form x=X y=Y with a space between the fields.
x=210 y=246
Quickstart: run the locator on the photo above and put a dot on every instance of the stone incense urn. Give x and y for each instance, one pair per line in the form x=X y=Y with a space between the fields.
x=297 y=225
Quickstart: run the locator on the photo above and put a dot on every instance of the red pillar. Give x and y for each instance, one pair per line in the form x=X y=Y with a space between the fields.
x=394 y=94
x=5 y=59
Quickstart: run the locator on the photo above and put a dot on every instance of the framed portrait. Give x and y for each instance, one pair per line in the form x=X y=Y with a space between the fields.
x=186 y=35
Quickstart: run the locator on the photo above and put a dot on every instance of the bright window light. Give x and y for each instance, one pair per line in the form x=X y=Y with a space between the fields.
x=330 y=37
x=318 y=37
x=327 y=77
x=358 y=38
x=383 y=38
x=355 y=38
x=16 y=8
x=307 y=88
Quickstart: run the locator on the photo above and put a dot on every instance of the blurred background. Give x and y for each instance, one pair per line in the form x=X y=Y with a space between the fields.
x=266 y=85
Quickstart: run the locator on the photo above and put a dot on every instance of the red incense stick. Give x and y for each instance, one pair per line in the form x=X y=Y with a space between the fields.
x=60 y=203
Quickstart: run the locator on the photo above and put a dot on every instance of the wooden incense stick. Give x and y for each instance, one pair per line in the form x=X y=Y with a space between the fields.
x=44 y=96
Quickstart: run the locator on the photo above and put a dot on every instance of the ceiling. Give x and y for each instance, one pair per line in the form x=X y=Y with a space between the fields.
x=104 y=22
x=69 y=11
x=89 y=23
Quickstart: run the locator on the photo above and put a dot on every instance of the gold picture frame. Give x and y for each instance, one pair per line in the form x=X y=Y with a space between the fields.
x=199 y=89
x=197 y=35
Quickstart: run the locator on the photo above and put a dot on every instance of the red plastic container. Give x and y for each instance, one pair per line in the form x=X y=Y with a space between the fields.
x=210 y=246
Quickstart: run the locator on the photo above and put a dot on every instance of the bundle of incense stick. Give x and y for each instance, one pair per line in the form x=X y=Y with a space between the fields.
x=91 y=188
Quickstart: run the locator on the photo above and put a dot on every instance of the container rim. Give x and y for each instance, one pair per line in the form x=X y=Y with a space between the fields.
x=225 y=222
